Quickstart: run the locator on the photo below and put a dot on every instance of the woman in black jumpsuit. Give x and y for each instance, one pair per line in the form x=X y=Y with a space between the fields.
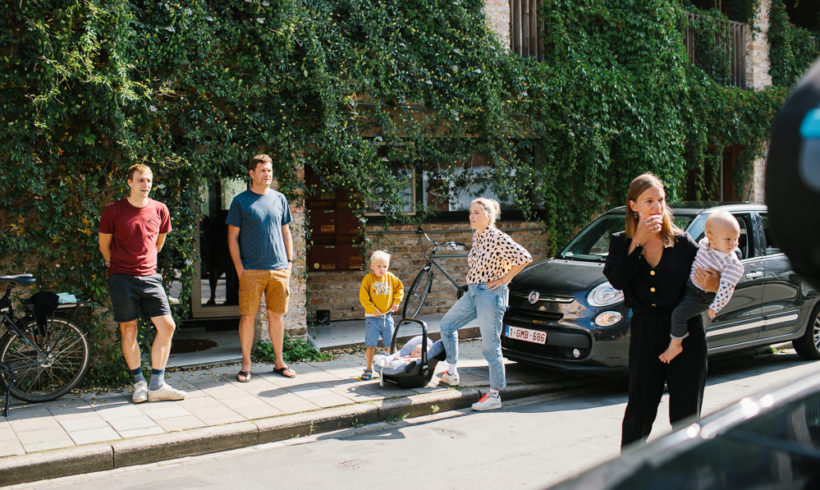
x=650 y=262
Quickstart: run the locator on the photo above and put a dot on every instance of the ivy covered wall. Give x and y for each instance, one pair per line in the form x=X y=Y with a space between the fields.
x=194 y=87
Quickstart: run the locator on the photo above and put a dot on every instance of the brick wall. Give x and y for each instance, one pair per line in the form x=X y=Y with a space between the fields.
x=498 y=18
x=339 y=291
x=296 y=317
x=757 y=78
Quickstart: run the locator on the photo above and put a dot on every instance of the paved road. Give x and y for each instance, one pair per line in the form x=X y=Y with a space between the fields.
x=530 y=443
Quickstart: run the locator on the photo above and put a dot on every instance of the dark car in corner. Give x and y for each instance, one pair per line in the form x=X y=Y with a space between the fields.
x=564 y=313
x=769 y=440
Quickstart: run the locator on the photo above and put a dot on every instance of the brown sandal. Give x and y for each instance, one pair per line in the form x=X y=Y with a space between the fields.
x=243 y=376
x=285 y=371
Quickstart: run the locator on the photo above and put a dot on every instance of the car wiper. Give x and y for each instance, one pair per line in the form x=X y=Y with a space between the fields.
x=776 y=443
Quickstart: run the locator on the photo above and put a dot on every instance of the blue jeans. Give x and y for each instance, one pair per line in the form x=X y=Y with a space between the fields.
x=375 y=326
x=488 y=306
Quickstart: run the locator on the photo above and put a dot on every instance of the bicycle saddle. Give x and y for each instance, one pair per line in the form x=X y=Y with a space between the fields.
x=19 y=279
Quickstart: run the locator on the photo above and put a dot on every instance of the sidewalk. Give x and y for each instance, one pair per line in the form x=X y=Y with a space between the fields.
x=94 y=432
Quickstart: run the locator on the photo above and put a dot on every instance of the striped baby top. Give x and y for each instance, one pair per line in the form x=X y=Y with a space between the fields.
x=729 y=267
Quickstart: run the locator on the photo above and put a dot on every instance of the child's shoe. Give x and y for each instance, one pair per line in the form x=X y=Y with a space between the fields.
x=367 y=375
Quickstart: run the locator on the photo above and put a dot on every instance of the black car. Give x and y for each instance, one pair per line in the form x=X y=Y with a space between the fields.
x=564 y=313
x=770 y=440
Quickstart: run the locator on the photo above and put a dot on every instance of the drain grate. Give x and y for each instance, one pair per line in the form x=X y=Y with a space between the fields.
x=184 y=346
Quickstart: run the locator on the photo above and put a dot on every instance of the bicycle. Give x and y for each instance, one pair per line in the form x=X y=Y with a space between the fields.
x=40 y=361
x=420 y=288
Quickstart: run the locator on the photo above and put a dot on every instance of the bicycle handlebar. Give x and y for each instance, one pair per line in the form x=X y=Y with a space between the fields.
x=453 y=245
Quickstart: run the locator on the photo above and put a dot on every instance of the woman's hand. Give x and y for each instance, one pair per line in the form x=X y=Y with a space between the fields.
x=506 y=278
x=495 y=283
x=648 y=227
x=708 y=279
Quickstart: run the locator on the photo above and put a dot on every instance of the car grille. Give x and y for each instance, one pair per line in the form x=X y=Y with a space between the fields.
x=547 y=307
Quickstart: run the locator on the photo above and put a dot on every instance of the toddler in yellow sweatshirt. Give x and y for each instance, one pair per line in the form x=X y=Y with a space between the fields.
x=380 y=295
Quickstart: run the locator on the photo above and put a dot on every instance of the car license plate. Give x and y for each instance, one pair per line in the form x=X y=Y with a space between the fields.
x=527 y=335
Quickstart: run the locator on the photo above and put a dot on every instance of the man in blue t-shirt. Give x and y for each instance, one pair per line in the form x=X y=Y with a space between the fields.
x=262 y=252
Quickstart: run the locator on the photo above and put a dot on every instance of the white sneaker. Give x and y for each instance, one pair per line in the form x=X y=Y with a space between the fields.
x=140 y=392
x=165 y=392
x=449 y=379
x=487 y=402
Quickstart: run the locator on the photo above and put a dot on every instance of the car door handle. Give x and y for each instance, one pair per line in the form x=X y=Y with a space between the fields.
x=754 y=275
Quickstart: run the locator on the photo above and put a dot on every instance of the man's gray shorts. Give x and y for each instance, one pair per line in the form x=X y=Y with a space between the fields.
x=130 y=294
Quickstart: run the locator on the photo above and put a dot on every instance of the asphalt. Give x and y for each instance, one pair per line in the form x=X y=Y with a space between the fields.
x=87 y=432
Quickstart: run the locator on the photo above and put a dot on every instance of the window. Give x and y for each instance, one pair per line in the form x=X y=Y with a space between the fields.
x=525 y=29
x=771 y=248
x=407 y=196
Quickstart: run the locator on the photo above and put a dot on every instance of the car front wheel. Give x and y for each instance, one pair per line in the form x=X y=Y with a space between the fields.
x=808 y=345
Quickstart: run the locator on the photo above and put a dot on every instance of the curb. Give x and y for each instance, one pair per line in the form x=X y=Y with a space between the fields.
x=194 y=442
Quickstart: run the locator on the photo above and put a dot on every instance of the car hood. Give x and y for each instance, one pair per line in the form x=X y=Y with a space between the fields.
x=560 y=275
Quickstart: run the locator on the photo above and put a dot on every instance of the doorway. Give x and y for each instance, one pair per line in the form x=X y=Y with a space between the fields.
x=217 y=294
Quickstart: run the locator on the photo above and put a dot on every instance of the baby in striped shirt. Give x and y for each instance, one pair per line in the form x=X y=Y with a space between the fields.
x=716 y=251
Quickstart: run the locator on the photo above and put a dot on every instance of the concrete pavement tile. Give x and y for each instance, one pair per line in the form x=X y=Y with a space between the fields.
x=341 y=362
x=146 y=431
x=242 y=401
x=64 y=406
x=184 y=422
x=119 y=410
x=34 y=424
x=290 y=403
x=11 y=447
x=262 y=411
x=84 y=422
x=217 y=415
x=6 y=431
x=358 y=394
x=27 y=412
x=43 y=439
x=90 y=436
x=199 y=402
x=256 y=385
x=206 y=384
x=107 y=397
x=164 y=410
x=224 y=390
x=327 y=400
x=131 y=423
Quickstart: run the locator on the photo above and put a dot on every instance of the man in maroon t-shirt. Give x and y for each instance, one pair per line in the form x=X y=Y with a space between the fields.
x=132 y=232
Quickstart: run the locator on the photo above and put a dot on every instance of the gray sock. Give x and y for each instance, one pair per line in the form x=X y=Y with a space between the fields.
x=137 y=374
x=157 y=379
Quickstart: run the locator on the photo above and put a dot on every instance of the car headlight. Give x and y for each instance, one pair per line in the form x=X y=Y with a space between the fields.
x=608 y=318
x=604 y=295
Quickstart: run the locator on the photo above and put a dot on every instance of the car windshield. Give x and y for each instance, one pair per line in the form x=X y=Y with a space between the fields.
x=592 y=244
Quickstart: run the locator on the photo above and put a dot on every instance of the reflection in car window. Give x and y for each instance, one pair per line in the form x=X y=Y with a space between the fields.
x=592 y=243
x=771 y=248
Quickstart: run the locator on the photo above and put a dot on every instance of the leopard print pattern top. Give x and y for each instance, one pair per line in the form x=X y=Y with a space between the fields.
x=492 y=256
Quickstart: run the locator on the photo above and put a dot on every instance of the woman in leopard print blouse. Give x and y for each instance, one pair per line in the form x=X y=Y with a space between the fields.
x=494 y=260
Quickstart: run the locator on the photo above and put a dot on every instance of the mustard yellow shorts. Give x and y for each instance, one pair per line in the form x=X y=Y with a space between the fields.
x=255 y=282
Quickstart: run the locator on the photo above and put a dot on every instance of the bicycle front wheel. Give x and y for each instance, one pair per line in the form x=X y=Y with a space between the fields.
x=46 y=375
x=415 y=296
